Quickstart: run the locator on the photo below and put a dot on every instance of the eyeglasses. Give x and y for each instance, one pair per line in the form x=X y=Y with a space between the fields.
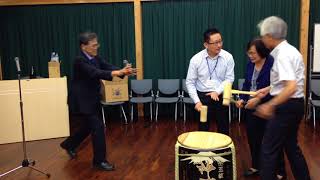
x=216 y=42
x=97 y=45
x=250 y=53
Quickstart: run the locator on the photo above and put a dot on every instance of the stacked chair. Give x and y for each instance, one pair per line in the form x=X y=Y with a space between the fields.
x=313 y=102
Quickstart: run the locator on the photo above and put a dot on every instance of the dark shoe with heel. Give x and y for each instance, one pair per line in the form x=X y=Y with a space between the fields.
x=104 y=166
x=281 y=177
x=72 y=153
x=251 y=172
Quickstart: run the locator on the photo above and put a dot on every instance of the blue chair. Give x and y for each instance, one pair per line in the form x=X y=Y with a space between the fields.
x=167 y=87
x=103 y=103
x=141 y=88
x=240 y=85
x=185 y=99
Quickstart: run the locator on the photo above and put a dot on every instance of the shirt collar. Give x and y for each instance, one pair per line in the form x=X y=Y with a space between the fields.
x=87 y=55
x=274 y=52
x=206 y=55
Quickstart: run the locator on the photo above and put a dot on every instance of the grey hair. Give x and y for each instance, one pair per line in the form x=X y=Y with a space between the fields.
x=273 y=26
x=87 y=36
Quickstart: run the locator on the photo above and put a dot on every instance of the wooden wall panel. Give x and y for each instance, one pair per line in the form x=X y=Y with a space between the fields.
x=304 y=32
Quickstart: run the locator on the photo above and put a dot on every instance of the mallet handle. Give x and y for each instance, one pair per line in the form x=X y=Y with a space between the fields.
x=243 y=92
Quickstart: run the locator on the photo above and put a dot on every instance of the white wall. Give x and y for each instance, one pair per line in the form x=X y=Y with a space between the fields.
x=316 y=52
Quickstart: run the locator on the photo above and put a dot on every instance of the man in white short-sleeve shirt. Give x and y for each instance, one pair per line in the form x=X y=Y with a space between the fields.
x=288 y=67
x=286 y=109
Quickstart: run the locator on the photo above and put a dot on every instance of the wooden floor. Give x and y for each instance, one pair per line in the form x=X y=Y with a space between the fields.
x=140 y=150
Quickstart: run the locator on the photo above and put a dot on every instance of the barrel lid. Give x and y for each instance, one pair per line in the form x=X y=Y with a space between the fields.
x=204 y=140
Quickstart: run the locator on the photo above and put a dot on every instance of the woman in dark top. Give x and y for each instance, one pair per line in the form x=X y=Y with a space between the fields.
x=257 y=76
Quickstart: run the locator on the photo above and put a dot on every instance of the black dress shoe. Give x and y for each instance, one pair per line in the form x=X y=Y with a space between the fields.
x=105 y=166
x=72 y=153
x=251 y=172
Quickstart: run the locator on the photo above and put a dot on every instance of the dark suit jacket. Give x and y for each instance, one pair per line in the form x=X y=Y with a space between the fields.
x=263 y=79
x=84 y=95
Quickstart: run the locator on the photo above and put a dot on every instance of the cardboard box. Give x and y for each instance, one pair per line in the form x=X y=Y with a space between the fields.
x=54 y=69
x=115 y=90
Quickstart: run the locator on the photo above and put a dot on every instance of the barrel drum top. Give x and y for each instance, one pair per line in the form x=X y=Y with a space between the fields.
x=205 y=155
x=202 y=140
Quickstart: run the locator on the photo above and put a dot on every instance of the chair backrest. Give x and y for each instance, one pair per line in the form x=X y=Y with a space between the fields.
x=240 y=83
x=168 y=86
x=184 y=86
x=141 y=86
x=315 y=86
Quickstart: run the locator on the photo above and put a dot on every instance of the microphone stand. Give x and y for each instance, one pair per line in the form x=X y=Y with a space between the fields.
x=25 y=162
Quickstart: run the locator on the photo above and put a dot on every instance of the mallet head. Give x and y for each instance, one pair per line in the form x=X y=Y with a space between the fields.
x=227 y=93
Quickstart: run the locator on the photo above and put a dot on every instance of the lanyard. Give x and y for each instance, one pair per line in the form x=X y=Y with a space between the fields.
x=211 y=72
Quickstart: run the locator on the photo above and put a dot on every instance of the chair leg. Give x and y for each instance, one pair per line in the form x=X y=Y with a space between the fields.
x=181 y=107
x=157 y=112
x=175 y=112
x=309 y=111
x=314 y=117
x=184 y=112
x=124 y=115
x=151 y=111
x=229 y=114
x=131 y=112
x=104 y=119
x=307 y=115
x=239 y=115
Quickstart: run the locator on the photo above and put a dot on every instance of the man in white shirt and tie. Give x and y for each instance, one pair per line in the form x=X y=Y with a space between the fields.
x=208 y=70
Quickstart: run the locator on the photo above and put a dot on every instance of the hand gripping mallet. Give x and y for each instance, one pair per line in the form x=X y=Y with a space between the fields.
x=228 y=91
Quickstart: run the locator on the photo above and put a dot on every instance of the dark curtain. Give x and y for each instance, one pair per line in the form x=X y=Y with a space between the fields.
x=33 y=32
x=172 y=30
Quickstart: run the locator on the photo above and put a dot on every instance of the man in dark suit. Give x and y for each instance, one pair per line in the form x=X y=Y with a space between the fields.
x=84 y=98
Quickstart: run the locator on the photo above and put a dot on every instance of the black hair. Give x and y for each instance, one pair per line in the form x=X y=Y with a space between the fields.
x=87 y=36
x=262 y=50
x=208 y=33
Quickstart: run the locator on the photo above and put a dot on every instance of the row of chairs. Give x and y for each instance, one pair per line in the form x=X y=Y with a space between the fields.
x=172 y=86
x=168 y=92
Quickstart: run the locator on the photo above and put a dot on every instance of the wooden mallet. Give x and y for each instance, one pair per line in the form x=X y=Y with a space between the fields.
x=228 y=91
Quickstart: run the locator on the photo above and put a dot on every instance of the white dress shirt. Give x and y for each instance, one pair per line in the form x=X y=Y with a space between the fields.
x=288 y=65
x=207 y=74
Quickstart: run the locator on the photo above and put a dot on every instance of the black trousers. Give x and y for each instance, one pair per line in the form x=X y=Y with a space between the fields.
x=216 y=111
x=90 y=124
x=281 y=134
x=255 y=127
